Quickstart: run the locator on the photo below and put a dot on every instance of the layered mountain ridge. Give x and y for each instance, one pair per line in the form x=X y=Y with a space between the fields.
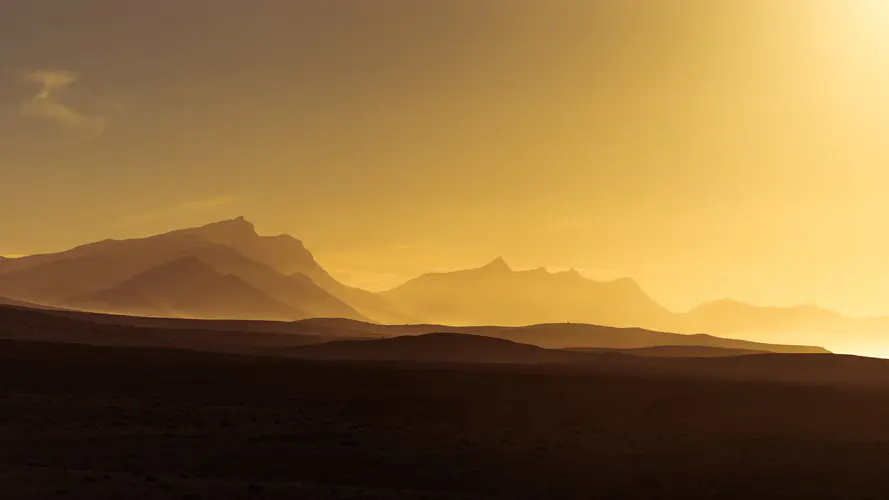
x=225 y=270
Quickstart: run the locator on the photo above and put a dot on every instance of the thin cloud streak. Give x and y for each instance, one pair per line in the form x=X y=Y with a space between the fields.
x=44 y=106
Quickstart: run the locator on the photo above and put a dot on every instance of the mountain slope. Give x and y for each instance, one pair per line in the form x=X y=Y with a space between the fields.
x=497 y=295
x=188 y=288
x=297 y=290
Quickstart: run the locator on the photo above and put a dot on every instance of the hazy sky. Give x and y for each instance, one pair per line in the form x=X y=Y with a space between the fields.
x=707 y=148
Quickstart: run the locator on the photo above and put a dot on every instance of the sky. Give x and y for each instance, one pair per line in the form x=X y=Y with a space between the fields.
x=707 y=149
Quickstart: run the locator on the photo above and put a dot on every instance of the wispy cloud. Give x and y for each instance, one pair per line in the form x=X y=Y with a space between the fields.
x=187 y=208
x=45 y=106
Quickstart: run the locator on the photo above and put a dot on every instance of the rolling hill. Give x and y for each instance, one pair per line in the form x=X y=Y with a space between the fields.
x=552 y=336
x=437 y=348
x=674 y=351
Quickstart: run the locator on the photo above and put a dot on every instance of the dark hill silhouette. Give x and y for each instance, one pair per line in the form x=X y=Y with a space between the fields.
x=815 y=369
x=19 y=303
x=202 y=335
x=55 y=326
x=554 y=335
x=247 y=337
x=674 y=351
x=546 y=336
x=188 y=288
x=497 y=295
x=437 y=348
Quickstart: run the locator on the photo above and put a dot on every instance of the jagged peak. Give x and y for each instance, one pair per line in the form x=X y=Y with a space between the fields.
x=236 y=222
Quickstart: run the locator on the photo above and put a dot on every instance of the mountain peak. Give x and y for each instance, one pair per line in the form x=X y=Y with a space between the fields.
x=498 y=264
x=227 y=230
x=238 y=222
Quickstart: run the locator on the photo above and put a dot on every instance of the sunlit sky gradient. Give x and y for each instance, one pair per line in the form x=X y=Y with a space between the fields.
x=708 y=149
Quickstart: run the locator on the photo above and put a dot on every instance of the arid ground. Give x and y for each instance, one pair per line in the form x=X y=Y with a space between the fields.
x=112 y=422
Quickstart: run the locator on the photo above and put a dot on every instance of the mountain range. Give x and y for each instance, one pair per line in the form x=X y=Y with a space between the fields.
x=225 y=270
x=497 y=295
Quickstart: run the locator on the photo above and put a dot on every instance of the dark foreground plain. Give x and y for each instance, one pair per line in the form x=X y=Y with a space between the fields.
x=120 y=422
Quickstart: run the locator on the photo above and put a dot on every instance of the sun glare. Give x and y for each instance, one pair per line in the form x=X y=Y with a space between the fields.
x=865 y=21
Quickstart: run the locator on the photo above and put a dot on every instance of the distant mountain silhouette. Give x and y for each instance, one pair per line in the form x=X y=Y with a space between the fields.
x=805 y=323
x=497 y=295
x=438 y=348
x=285 y=271
x=731 y=315
x=188 y=288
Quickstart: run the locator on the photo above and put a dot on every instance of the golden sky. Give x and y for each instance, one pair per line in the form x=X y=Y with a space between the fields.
x=708 y=149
